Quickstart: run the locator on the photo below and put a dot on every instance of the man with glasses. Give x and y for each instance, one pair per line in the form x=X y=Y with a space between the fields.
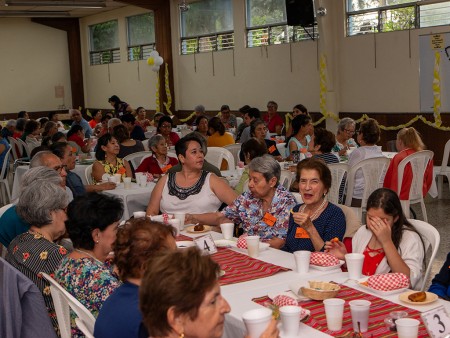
x=249 y=116
x=228 y=119
x=78 y=119
x=273 y=120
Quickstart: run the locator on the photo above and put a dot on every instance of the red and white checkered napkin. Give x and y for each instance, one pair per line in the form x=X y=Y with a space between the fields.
x=323 y=259
x=282 y=300
x=388 y=281
x=242 y=242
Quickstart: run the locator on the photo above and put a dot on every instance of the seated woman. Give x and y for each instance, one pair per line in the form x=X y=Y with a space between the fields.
x=127 y=145
x=440 y=284
x=263 y=210
x=193 y=306
x=92 y=225
x=368 y=136
x=164 y=128
x=107 y=160
x=298 y=109
x=76 y=135
x=141 y=120
x=250 y=149
x=408 y=142
x=258 y=130
x=192 y=189
x=137 y=241
x=315 y=221
x=31 y=134
x=344 y=140
x=202 y=126
x=321 y=145
x=42 y=205
x=218 y=138
x=302 y=130
x=158 y=163
x=388 y=241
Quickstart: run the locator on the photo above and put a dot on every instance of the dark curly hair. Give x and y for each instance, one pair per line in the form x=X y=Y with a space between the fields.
x=217 y=125
x=74 y=129
x=325 y=139
x=136 y=242
x=370 y=131
x=89 y=212
x=120 y=132
x=30 y=126
x=102 y=141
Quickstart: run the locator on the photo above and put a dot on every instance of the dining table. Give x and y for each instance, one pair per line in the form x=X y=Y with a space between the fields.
x=252 y=293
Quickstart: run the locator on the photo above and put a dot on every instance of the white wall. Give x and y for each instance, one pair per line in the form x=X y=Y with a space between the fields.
x=33 y=60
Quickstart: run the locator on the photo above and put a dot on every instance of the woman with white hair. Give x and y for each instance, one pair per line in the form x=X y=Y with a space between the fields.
x=344 y=136
x=159 y=162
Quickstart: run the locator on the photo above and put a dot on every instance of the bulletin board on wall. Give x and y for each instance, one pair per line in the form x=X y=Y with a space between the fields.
x=434 y=70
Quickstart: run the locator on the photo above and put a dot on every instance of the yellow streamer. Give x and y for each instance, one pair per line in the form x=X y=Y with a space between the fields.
x=437 y=89
x=187 y=118
x=323 y=85
x=158 y=105
x=167 y=88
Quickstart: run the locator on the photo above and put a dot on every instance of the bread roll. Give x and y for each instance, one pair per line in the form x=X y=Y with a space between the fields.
x=417 y=297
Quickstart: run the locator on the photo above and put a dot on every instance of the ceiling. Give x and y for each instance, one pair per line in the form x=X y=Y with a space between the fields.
x=64 y=8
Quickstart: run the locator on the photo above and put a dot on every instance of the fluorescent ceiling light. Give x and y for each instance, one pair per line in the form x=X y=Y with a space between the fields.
x=59 y=3
x=33 y=14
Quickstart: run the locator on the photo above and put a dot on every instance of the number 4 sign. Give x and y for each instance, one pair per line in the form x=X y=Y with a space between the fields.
x=437 y=322
x=206 y=244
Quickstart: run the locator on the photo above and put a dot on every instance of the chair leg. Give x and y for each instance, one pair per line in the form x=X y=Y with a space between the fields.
x=424 y=211
x=440 y=183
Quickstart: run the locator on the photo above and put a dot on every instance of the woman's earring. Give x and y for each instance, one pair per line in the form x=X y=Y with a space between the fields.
x=181 y=335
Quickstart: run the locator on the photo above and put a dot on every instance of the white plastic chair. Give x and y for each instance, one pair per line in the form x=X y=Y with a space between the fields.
x=286 y=178
x=6 y=198
x=443 y=170
x=215 y=156
x=88 y=174
x=135 y=159
x=239 y=121
x=24 y=146
x=15 y=147
x=373 y=170
x=431 y=238
x=419 y=162
x=234 y=149
x=338 y=171
x=64 y=302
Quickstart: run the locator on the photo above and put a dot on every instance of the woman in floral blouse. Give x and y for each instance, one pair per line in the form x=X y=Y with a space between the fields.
x=107 y=161
x=92 y=225
x=42 y=204
x=263 y=210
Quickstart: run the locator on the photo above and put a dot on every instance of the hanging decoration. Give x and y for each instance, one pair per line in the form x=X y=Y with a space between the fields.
x=437 y=89
x=167 y=88
x=323 y=85
x=155 y=61
x=157 y=103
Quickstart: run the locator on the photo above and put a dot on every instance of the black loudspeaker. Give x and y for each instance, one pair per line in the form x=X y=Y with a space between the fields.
x=300 y=12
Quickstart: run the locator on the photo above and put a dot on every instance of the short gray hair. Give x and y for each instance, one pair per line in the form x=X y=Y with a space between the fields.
x=114 y=122
x=200 y=108
x=154 y=140
x=40 y=158
x=41 y=173
x=10 y=123
x=267 y=166
x=343 y=123
x=38 y=199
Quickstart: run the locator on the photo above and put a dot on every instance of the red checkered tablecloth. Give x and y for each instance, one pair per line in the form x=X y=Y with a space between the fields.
x=379 y=310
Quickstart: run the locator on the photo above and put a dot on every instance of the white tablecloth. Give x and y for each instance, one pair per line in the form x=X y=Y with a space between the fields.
x=134 y=199
x=20 y=170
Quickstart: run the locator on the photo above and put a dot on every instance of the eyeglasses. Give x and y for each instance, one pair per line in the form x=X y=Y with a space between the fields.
x=60 y=168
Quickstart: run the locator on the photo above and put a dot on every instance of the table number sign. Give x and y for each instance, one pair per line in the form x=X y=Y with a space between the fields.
x=206 y=244
x=437 y=322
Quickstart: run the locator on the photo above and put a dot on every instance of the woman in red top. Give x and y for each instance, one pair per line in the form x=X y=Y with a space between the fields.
x=165 y=126
x=158 y=163
x=76 y=134
x=408 y=142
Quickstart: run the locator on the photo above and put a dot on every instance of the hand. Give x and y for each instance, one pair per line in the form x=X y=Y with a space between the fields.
x=343 y=151
x=106 y=186
x=302 y=219
x=271 y=331
x=189 y=219
x=337 y=249
x=380 y=228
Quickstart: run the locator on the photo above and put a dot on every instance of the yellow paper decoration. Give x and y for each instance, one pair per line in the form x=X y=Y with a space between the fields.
x=158 y=105
x=437 y=89
x=167 y=88
x=323 y=85
x=187 y=118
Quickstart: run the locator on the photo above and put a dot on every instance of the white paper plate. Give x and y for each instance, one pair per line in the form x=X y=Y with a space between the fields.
x=431 y=297
x=383 y=293
x=185 y=244
x=225 y=243
x=327 y=268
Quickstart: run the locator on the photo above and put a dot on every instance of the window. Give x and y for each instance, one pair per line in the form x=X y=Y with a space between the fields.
x=372 y=16
x=267 y=24
x=104 y=40
x=141 y=36
x=207 y=26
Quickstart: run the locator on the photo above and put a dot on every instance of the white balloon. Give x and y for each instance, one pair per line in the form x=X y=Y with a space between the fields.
x=155 y=68
x=159 y=61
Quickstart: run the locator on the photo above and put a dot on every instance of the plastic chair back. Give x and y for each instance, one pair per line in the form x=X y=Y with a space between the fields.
x=135 y=159
x=23 y=145
x=88 y=174
x=15 y=148
x=443 y=169
x=215 y=156
x=338 y=172
x=234 y=149
x=286 y=178
x=4 y=178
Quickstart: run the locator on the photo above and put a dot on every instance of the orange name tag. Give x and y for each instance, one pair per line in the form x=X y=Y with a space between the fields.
x=269 y=219
x=301 y=233
x=272 y=149
x=167 y=167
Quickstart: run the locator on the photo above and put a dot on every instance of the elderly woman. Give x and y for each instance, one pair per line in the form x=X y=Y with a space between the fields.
x=408 y=142
x=137 y=241
x=192 y=189
x=31 y=134
x=368 y=136
x=127 y=145
x=76 y=135
x=164 y=128
x=218 y=138
x=193 y=306
x=315 y=221
x=258 y=130
x=107 y=160
x=158 y=163
x=344 y=140
x=263 y=210
x=202 y=126
x=141 y=120
x=92 y=225
x=302 y=130
x=388 y=242
x=42 y=205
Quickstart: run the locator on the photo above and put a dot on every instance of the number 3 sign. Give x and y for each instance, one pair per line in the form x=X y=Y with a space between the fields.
x=437 y=322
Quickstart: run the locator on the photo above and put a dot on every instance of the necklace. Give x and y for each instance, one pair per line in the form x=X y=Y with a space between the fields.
x=315 y=214
x=88 y=254
x=34 y=232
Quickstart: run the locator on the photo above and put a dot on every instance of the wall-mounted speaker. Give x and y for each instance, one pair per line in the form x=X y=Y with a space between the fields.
x=300 y=12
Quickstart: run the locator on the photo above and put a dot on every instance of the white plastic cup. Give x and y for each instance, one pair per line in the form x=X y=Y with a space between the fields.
x=354 y=265
x=252 y=245
x=334 y=311
x=142 y=181
x=227 y=230
x=139 y=214
x=360 y=309
x=256 y=321
x=118 y=178
x=127 y=182
x=302 y=259
x=290 y=319
x=92 y=153
x=181 y=217
x=176 y=224
x=407 y=327
x=112 y=179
